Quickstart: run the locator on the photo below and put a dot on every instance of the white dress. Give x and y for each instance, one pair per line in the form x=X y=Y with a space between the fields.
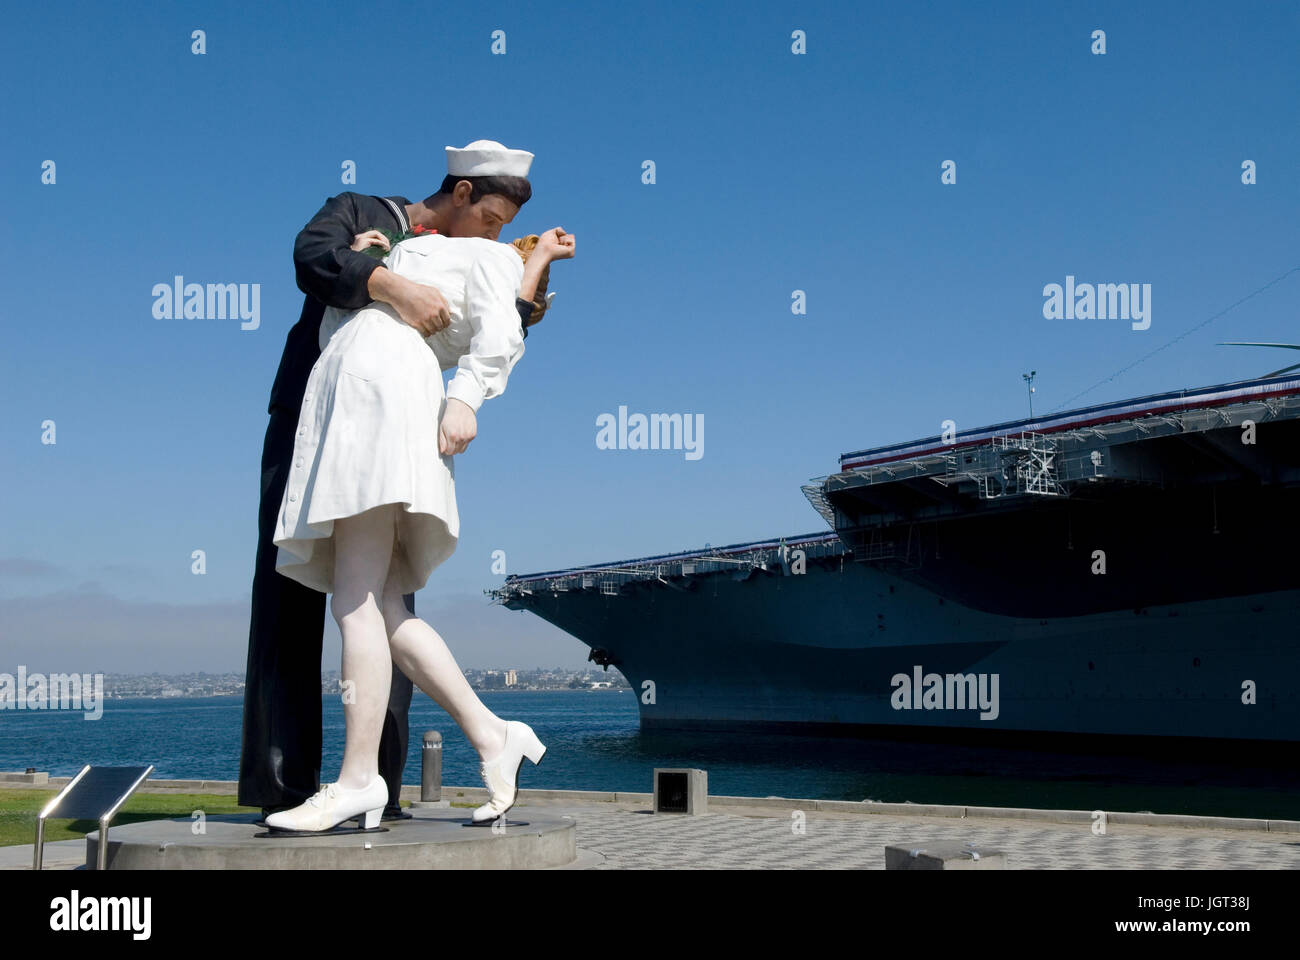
x=368 y=428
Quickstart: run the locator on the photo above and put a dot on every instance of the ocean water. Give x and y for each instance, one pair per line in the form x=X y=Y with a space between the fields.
x=594 y=743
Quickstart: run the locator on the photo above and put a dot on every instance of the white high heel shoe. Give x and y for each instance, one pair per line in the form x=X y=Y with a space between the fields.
x=501 y=774
x=333 y=805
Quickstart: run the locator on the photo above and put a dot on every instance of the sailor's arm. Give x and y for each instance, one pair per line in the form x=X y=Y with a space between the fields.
x=421 y=306
x=325 y=264
x=330 y=266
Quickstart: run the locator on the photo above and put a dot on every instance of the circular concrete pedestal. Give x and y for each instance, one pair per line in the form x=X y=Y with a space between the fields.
x=433 y=839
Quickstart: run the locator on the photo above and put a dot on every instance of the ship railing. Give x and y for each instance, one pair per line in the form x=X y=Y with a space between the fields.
x=935 y=464
x=610 y=580
x=867 y=548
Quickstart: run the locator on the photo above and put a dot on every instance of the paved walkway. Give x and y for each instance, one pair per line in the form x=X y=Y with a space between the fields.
x=625 y=835
x=628 y=839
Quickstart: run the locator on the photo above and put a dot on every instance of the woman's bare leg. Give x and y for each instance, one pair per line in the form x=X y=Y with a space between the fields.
x=363 y=546
x=422 y=655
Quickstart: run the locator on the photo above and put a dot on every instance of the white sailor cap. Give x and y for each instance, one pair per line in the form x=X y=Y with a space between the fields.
x=487 y=158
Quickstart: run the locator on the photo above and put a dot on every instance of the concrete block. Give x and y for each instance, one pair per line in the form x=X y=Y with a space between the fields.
x=944 y=856
x=681 y=790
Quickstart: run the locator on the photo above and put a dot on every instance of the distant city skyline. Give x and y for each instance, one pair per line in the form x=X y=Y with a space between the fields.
x=33 y=690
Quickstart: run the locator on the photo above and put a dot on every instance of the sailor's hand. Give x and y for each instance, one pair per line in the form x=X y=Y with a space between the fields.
x=420 y=306
x=459 y=426
x=370 y=238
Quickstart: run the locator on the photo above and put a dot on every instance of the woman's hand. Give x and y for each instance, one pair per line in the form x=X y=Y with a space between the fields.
x=552 y=245
x=459 y=426
x=555 y=244
x=371 y=238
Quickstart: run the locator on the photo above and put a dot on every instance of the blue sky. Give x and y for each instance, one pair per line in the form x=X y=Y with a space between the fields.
x=775 y=172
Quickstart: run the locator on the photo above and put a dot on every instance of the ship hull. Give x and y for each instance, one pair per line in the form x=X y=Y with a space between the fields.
x=826 y=651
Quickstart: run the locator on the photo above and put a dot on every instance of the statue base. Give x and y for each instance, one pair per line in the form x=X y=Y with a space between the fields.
x=433 y=839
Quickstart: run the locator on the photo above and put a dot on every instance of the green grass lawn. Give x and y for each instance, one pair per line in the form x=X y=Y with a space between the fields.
x=18 y=810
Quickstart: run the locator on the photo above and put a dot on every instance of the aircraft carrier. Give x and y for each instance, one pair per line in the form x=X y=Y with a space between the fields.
x=1128 y=570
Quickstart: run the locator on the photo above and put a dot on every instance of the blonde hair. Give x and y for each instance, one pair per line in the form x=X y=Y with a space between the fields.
x=525 y=246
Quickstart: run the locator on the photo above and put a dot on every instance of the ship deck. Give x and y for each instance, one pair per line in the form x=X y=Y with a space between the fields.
x=735 y=557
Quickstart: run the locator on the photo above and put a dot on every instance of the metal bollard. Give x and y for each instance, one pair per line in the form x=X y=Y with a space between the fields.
x=431 y=767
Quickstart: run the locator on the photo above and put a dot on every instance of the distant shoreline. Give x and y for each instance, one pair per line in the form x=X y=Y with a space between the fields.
x=10 y=704
x=26 y=689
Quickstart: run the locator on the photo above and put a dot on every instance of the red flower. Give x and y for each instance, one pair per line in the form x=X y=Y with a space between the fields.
x=418 y=229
